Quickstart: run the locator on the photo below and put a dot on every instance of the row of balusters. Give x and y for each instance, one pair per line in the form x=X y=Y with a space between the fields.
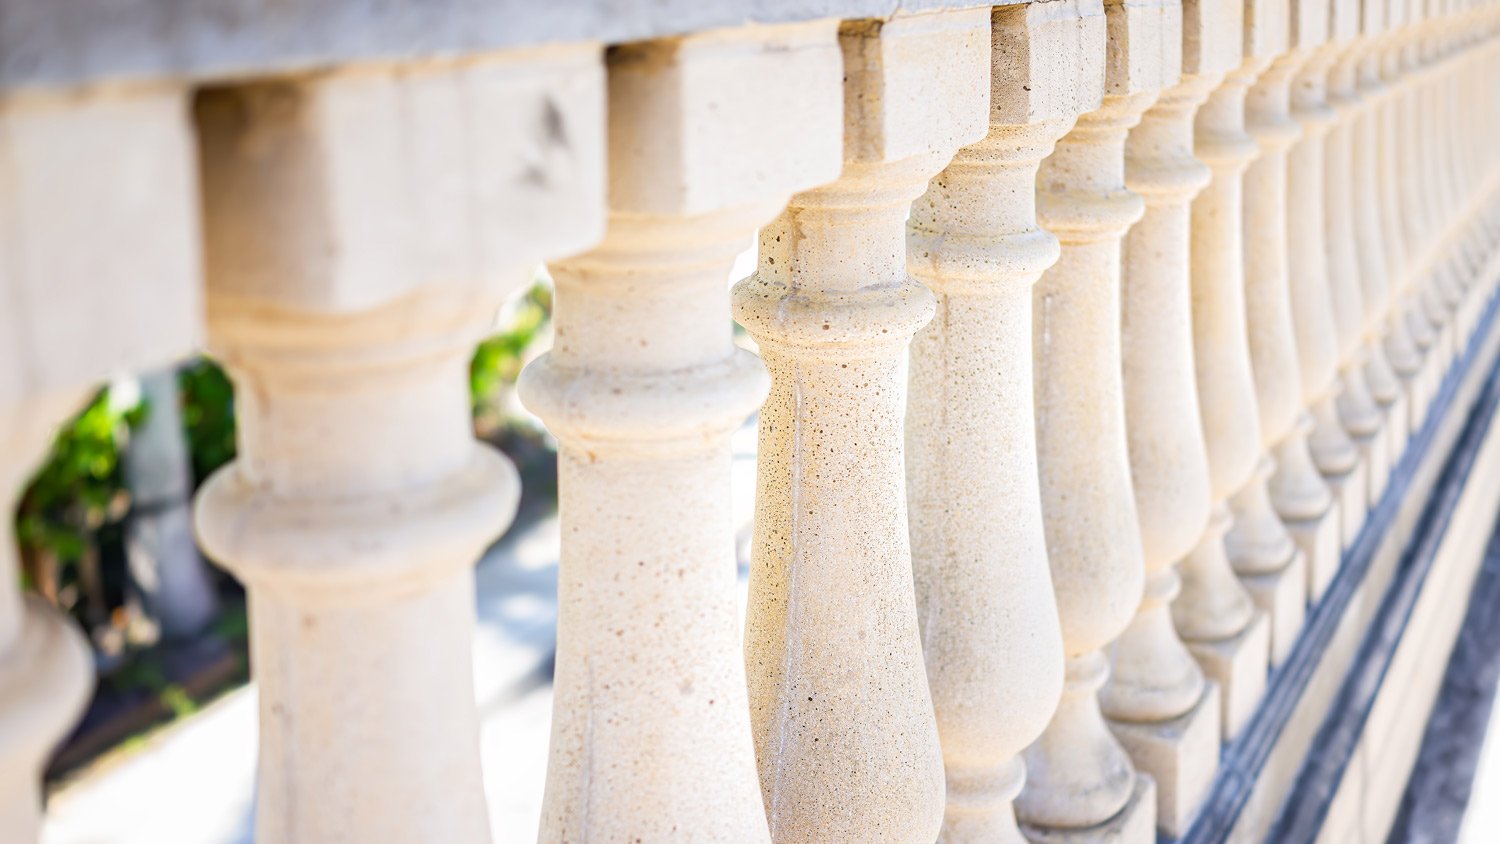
x=1087 y=335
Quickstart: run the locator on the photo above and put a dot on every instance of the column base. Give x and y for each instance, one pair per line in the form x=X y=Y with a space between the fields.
x=1134 y=824
x=1419 y=393
x=1282 y=596
x=1238 y=665
x=1397 y=429
x=1376 y=459
x=1181 y=755
x=1351 y=495
x=1321 y=548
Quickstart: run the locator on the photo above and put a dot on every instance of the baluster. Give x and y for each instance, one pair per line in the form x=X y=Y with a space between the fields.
x=643 y=387
x=1082 y=784
x=100 y=277
x=1441 y=298
x=985 y=603
x=839 y=703
x=1298 y=492
x=360 y=231
x=1159 y=705
x=1410 y=334
x=1372 y=251
x=1357 y=407
x=1333 y=452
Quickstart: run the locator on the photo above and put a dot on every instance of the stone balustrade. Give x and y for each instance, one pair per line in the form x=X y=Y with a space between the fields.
x=1105 y=350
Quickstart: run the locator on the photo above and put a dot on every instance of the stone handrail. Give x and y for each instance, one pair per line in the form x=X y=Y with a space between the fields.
x=1091 y=338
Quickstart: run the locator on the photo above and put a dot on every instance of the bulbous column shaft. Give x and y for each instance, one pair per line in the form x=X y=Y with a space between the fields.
x=986 y=608
x=1333 y=452
x=1214 y=613
x=1296 y=489
x=346 y=310
x=101 y=274
x=651 y=732
x=1082 y=785
x=851 y=755
x=1160 y=706
x=1358 y=410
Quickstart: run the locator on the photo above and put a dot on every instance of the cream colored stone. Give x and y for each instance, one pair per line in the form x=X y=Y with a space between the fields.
x=1079 y=776
x=643 y=386
x=1297 y=490
x=1133 y=823
x=851 y=754
x=1157 y=701
x=360 y=498
x=98 y=226
x=1181 y=755
x=985 y=603
x=1318 y=353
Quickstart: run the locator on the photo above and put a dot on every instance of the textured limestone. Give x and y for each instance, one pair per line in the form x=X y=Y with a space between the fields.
x=1157 y=701
x=985 y=603
x=845 y=754
x=643 y=387
x=1318 y=352
x=1079 y=776
x=98 y=223
x=354 y=257
x=1297 y=491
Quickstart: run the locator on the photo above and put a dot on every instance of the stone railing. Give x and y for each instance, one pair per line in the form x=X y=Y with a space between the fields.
x=1089 y=336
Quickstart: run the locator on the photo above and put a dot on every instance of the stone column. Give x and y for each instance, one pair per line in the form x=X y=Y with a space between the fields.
x=1358 y=409
x=1400 y=346
x=1313 y=320
x=1373 y=257
x=1159 y=705
x=1424 y=309
x=1256 y=544
x=1297 y=490
x=1440 y=298
x=100 y=234
x=845 y=754
x=174 y=583
x=985 y=603
x=355 y=254
x=1082 y=785
x=1405 y=226
x=1214 y=613
x=651 y=734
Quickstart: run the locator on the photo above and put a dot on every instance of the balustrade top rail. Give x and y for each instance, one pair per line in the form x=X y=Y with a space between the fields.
x=59 y=44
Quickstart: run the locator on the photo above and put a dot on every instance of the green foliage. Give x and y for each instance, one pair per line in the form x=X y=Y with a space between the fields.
x=207 y=415
x=78 y=486
x=498 y=360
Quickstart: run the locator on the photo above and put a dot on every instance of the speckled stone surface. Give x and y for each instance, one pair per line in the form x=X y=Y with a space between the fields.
x=643 y=387
x=840 y=709
x=986 y=608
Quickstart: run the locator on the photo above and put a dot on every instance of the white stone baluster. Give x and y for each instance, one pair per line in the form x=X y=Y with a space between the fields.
x=99 y=229
x=1399 y=344
x=1373 y=256
x=643 y=386
x=1214 y=614
x=361 y=229
x=1082 y=785
x=1333 y=452
x=1403 y=216
x=1297 y=490
x=984 y=594
x=1159 y=705
x=839 y=702
x=1358 y=409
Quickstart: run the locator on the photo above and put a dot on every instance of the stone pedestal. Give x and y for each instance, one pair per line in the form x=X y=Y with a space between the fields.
x=1181 y=755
